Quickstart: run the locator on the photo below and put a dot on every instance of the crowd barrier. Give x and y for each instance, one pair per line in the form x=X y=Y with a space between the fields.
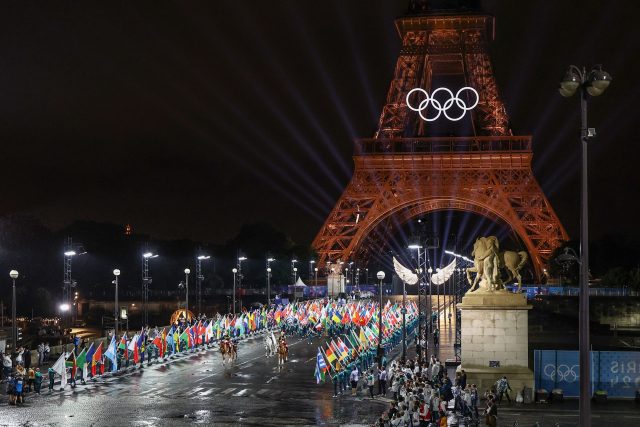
x=616 y=372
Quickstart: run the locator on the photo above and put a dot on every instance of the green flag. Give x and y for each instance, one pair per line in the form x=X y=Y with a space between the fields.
x=82 y=358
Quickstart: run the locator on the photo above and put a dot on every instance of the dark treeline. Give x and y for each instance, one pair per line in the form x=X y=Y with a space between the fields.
x=37 y=253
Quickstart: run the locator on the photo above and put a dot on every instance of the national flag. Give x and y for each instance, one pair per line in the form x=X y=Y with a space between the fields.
x=331 y=357
x=186 y=338
x=122 y=345
x=321 y=367
x=346 y=318
x=343 y=348
x=71 y=363
x=337 y=350
x=61 y=368
x=88 y=357
x=335 y=318
x=133 y=347
x=81 y=360
x=97 y=357
x=111 y=354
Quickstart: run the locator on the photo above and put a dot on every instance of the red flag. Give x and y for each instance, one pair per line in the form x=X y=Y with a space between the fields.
x=136 y=356
x=97 y=356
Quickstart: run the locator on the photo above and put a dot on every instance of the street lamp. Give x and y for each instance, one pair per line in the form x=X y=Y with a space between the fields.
x=199 y=279
x=14 y=329
x=235 y=271
x=593 y=83
x=316 y=271
x=430 y=308
x=186 y=284
x=311 y=262
x=293 y=270
x=269 y=261
x=295 y=275
x=418 y=246
x=146 y=281
x=380 y=276
x=116 y=273
x=240 y=277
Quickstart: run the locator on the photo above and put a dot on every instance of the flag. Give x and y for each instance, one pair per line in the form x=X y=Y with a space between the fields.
x=81 y=362
x=71 y=363
x=133 y=346
x=111 y=354
x=337 y=350
x=97 y=357
x=346 y=318
x=61 y=368
x=330 y=356
x=186 y=338
x=122 y=345
x=335 y=318
x=322 y=366
x=88 y=359
x=343 y=348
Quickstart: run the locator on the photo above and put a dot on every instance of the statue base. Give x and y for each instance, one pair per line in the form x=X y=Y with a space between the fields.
x=495 y=338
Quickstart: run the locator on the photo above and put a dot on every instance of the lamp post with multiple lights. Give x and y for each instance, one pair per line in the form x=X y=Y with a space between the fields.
x=269 y=261
x=293 y=270
x=590 y=84
x=380 y=275
x=240 y=277
x=116 y=316
x=311 y=262
x=234 y=271
x=186 y=285
x=14 y=326
x=146 y=281
x=417 y=246
x=199 y=280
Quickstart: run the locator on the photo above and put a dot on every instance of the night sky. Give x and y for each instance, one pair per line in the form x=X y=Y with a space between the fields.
x=188 y=119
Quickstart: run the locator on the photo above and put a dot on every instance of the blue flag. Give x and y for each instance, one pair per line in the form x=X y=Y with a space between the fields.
x=111 y=354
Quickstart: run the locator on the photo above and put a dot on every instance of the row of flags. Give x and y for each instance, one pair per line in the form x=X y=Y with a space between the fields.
x=339 y=352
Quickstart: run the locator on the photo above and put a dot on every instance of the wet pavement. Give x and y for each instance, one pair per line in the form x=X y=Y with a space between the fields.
x=198 y=389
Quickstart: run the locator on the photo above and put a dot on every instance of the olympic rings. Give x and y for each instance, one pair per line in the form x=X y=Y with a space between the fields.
x=442 y=107
x=564 y=373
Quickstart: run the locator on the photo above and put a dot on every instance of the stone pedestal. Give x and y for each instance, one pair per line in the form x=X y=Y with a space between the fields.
x=335 y=284
x=495 y=329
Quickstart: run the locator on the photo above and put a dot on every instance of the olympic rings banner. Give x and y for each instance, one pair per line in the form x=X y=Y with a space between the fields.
x=441 y=104
x=616 y=372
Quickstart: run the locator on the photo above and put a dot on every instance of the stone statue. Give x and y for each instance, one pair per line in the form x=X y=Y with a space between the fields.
x=487 y=262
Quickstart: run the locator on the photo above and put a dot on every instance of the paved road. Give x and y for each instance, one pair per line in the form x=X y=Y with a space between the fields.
x=197 y=389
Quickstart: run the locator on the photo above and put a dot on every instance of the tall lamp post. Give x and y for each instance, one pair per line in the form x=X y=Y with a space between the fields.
x=14 y=327
x=235 y=271
x=199 y=279
x=186 y=285
x=269 y=261
x=311 y=262
x=404 y=321
x=116 y=317
x=593 y=83
x=146 y=281
x=240 y=277
x=293 y=270
x=380 y=275
x=419 y=270
x=430 y=308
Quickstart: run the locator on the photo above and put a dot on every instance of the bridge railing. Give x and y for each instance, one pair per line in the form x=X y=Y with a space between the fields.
x=477 y=144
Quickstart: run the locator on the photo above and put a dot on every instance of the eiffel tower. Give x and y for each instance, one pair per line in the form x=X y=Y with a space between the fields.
x=412 y=167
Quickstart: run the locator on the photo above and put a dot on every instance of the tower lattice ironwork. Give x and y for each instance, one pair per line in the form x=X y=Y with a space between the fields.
x=412 y=167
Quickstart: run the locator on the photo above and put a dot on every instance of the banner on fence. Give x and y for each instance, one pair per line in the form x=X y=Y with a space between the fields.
x=616 y=372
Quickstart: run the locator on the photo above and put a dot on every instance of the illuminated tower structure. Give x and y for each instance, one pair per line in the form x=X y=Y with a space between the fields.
x=412 y=167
